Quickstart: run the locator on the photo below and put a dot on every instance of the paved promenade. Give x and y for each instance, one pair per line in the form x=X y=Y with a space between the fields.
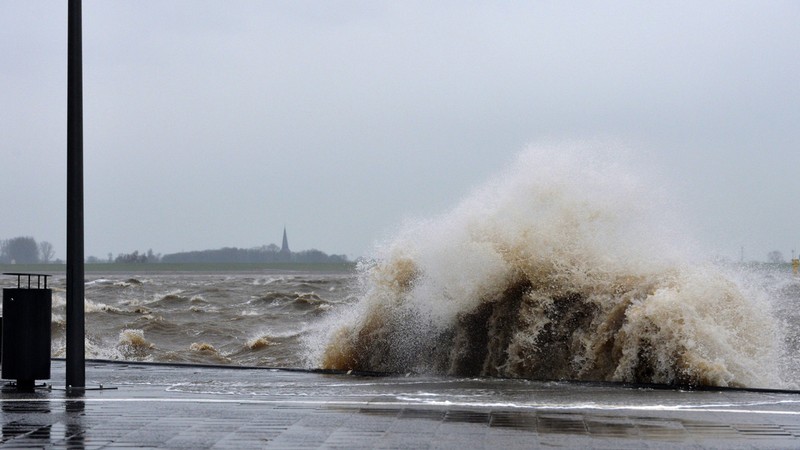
x=160 y=406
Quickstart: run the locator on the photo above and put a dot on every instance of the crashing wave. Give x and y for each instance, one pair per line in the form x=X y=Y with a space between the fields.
x=559 y=269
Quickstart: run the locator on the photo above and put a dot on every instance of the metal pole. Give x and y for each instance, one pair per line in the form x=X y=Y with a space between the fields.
x=76 y=351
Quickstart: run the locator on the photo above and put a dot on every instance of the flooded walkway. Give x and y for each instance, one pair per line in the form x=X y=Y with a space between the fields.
x=161 y=406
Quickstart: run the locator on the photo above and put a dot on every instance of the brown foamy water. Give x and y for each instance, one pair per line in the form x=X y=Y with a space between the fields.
x=566 y=266
x=217 y=318
x=563 y=267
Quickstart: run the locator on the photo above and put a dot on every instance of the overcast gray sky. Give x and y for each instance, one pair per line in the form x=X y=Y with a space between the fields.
x=216 y=123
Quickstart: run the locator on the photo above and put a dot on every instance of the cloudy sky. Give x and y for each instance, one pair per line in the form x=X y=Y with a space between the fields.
x=216 y=123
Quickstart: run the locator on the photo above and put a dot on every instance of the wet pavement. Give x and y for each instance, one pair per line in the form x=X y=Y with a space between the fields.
x=163 y=406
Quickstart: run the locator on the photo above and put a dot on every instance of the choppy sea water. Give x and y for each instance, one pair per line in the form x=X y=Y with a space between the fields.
x=566 y=266
x=284 y=319
x=214 y=318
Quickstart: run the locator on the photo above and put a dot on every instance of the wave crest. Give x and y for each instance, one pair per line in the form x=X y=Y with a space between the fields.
x=559 y=269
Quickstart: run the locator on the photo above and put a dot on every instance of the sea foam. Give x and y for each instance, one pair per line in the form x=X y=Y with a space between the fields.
x=565 y=266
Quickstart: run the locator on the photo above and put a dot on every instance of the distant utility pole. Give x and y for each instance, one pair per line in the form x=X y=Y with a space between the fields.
x=742 y=257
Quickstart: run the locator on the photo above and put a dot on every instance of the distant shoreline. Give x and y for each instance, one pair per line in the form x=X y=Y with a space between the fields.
x=60 y=269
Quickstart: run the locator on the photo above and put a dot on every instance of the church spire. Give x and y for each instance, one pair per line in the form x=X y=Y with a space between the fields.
x=285 y=246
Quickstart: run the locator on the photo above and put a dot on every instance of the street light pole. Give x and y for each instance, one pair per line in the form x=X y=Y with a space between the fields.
x=76 y=348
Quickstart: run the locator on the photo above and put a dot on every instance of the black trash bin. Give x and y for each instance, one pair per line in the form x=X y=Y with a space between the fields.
x=26 y=331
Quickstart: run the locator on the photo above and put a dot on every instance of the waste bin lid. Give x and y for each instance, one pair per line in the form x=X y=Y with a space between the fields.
x=38 y=276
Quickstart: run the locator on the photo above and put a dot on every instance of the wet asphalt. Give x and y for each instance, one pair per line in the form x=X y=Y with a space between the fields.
x=128 y=405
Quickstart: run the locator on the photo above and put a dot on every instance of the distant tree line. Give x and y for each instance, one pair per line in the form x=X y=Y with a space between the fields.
x=775 y=257
x=136 y=257
x=127 y=258
x=25 y=250
x=264 y=254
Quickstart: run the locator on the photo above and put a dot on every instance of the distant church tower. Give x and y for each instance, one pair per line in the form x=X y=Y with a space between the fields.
x=285 y=252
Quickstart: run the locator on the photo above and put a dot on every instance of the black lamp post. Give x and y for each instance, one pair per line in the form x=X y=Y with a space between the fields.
x=76 y=349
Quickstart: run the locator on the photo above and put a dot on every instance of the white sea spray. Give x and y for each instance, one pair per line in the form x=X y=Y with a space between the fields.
x=565 y=266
